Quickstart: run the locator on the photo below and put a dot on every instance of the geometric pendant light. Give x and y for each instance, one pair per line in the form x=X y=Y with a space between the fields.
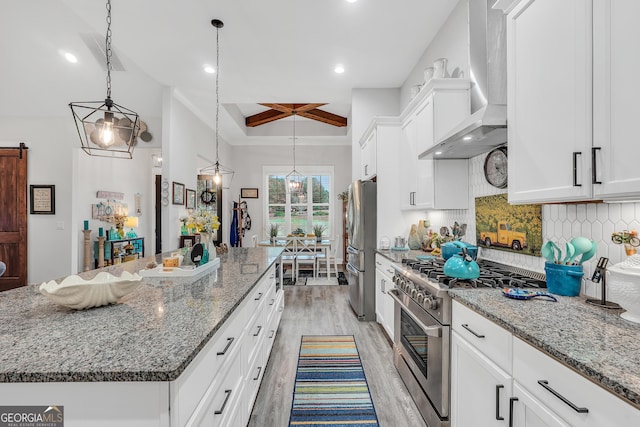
x=294 y=180
x=222 y=176
x=105 y=128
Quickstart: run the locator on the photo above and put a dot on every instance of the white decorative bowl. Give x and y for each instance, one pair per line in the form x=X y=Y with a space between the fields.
x=104 y=288
x=623 y=287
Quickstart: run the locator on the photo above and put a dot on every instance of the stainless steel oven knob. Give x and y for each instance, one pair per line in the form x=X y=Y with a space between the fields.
x=414 y=293
x=430 y=303
x=420 y=297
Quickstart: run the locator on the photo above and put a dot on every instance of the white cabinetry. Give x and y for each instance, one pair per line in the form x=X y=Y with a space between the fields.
x=574 y=123
x=384 y=303
x=429 y=183
x=480 y=370
x=369 y=156
x=496 y=375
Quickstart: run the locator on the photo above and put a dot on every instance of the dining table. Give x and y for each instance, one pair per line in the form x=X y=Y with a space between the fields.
x=323 y=245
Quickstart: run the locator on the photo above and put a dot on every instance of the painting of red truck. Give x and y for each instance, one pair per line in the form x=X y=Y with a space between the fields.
x=516 y=228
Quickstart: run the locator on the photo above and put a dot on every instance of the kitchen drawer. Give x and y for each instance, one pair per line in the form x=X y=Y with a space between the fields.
x=535 y=370
x=384 y=265
x=272 y=325
x=211 y=362
x=259 y=292
x=253 y=334
x=489 y=338
x=221 y=399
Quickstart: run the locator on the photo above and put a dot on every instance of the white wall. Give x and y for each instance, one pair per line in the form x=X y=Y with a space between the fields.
x=451 y=42
x=249 y=173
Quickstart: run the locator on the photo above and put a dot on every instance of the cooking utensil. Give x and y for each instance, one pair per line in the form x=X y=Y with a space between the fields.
x=548 y=252
x=462 y=266
x=557 y=249
x=570 y=250
x=519 y=293
x=590 y=253
x=581 y=245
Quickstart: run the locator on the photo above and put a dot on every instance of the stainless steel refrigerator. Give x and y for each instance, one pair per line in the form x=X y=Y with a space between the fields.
x=361 y=229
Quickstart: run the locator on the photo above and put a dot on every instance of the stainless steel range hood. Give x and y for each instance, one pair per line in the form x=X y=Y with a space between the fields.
x=486 y=127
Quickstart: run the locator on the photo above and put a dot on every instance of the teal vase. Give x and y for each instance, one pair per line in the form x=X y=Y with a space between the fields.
x=184 y=230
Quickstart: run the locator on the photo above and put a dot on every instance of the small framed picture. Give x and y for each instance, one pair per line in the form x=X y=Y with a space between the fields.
x=178 y=193
x=249 y=193
x=191 y=199
x=42 y=199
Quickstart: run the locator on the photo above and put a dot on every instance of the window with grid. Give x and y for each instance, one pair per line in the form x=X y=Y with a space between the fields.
x=300 y=211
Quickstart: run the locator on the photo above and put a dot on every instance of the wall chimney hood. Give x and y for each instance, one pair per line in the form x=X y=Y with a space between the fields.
x=486 y=127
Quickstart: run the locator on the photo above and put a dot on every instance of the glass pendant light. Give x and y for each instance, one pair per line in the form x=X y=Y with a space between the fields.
x=222 y=175
x=294 y=179
x=105 y=128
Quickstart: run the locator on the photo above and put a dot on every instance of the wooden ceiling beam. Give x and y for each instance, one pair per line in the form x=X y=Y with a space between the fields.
x=290 y=108
x=325 y=117
x=265 y=117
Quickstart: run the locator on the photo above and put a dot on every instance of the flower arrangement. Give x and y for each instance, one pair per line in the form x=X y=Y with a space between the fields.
x=343 y=196
x=273 y=230
x=203 y=221
x=318 y=229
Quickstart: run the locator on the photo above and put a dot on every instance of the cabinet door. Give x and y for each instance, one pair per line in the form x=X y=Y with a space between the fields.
x=549 y=65
x=387 y=305
x=408 y=164
x=480 y=390
x=530 y=412
x=369 y=156
x=425 y=126
x=615 y=98
x=379 y=297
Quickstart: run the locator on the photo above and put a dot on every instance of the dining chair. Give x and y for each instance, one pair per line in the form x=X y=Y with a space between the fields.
x=289 y=254
x=306 y=254
x=329 y=256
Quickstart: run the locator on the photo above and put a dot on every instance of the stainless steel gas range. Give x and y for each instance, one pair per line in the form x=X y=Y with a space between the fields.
x=423 y=326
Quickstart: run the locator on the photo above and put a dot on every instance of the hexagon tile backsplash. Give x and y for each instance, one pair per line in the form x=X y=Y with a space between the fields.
x=560 y=223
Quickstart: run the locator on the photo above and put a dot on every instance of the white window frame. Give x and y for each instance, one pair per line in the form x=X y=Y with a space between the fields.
x=306 y=171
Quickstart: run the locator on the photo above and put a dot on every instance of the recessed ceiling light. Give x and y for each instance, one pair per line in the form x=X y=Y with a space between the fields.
x=70 y=57
x=339 y=69
x=437 y=153
x=209 y=69
x=467 y=138
x=352 y=1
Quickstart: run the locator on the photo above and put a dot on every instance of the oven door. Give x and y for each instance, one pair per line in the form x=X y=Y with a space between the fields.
x=423 y=344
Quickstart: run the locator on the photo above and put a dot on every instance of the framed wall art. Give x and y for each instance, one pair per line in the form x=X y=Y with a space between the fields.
x=249 y=193
x=191 y=199
x=178 y=193
x=42 y=199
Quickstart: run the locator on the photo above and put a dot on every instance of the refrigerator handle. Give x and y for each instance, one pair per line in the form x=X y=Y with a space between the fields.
x=352 y=250
x=352 y=270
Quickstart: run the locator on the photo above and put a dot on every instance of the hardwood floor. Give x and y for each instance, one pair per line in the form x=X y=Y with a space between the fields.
x=325 y=310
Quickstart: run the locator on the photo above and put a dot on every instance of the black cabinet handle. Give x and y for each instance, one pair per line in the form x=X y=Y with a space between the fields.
x=511 y=401
x=258 y=376
x=594 y=150
x=258 y=297
x=229 y=341
x=226 y=399
x=258 y=333
x=273 y=300
x=272 y=333
x=466 y=326
x=575 y=168
x=498 y=417
x=546 y=386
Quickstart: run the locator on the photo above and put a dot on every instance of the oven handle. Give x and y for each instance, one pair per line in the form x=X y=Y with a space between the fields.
x=432 y=331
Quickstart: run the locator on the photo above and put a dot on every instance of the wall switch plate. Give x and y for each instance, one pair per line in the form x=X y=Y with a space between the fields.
x=60 y=225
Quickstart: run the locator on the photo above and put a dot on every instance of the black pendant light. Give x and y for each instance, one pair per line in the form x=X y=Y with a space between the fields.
x=105 y=128
x=222 y=176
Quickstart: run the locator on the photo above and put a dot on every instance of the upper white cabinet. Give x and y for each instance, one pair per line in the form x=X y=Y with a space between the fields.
x=369 y=156
x=428 y=183
x=571 y=100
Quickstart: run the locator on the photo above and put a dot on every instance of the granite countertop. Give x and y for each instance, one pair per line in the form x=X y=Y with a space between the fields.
x=595 y=342
x=398 y=256
x=152 y=334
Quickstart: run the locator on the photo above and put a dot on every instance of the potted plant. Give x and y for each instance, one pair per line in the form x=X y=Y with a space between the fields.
x=318 y=230
x=273 y=232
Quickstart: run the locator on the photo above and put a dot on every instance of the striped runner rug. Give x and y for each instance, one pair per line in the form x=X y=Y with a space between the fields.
x=331 y=388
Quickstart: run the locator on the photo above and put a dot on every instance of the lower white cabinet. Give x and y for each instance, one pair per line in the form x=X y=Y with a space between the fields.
x=540 y=391
x=480 y=389
x=384 y=302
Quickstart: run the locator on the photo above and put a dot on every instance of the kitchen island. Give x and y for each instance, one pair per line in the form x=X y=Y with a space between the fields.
x=157 y=357
x=595 y=343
